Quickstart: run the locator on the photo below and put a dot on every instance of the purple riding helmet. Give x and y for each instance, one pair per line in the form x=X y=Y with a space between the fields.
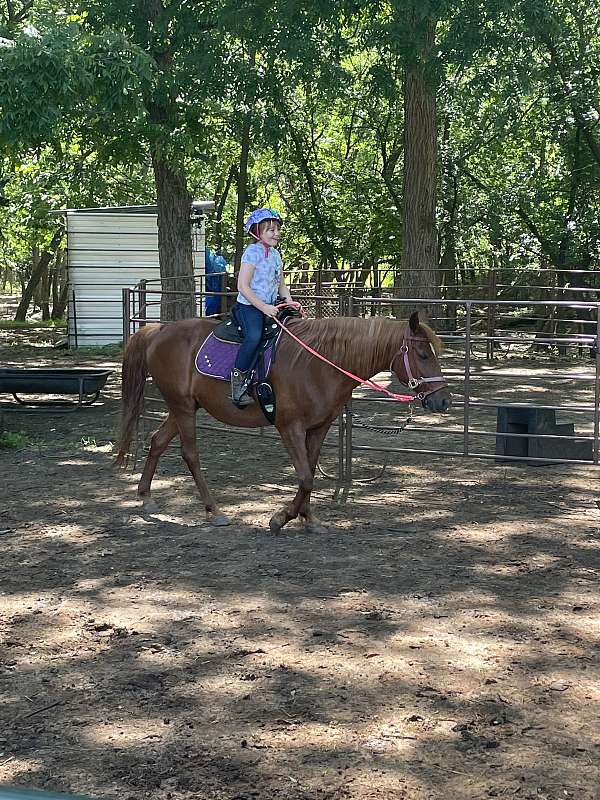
x=261 y=215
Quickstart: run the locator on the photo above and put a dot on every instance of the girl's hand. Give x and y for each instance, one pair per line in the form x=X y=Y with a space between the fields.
x=269 y=310
x=296 y=305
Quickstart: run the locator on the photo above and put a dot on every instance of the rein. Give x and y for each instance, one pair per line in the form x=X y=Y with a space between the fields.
x=370 y=384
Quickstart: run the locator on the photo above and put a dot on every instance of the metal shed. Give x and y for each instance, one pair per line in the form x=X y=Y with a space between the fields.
x=110 y=249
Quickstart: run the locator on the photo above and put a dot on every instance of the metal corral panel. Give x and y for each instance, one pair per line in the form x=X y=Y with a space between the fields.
x=107 y=252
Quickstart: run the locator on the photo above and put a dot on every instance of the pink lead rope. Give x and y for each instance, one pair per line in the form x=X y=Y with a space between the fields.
x=401 y=398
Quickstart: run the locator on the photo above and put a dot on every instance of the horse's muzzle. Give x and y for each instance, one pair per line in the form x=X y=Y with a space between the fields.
x=439 y=401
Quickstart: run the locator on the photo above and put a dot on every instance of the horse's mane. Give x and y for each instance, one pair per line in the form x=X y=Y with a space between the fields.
x=354 y=340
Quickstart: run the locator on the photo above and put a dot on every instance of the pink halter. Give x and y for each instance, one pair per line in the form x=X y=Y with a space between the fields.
x=413 y=382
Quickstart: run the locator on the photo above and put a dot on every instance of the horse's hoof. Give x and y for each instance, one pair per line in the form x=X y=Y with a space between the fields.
x=315 y=528
x=149 y=507
x=219 y=520
x=276 y=523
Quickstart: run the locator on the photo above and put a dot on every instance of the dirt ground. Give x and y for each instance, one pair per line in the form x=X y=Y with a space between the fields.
x=442 y=640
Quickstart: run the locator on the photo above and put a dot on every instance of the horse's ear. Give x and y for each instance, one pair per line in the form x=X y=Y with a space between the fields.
x=414 y=322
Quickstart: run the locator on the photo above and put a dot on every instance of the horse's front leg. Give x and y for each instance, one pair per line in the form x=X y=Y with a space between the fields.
x=294 y=439
x=314 y=442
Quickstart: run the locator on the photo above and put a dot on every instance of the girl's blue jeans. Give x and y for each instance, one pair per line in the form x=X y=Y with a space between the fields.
x=251 y=321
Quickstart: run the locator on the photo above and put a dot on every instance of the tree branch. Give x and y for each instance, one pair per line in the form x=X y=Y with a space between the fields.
x=591 y=140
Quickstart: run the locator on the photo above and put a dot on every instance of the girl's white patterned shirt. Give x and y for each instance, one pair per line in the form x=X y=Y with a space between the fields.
x=267 y=272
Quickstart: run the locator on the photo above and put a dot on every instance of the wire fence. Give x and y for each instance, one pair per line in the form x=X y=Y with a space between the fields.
x=94 y=317
x=518 y=397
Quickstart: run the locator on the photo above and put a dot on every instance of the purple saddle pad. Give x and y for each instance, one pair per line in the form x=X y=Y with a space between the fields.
x=216 y=358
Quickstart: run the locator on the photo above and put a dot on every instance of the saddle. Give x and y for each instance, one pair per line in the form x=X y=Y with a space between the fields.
x=229 y=330
x=216 y=357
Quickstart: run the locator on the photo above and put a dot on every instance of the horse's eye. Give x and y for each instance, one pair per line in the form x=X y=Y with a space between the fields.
x=424 y=354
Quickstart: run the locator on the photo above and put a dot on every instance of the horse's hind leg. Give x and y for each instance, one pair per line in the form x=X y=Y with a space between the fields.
x=158 y=444
x=186 y=423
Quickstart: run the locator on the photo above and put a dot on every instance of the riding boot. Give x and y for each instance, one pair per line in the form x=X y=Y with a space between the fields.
x=240 y=381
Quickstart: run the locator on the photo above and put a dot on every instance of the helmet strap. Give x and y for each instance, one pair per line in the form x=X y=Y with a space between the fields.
x=258 y=239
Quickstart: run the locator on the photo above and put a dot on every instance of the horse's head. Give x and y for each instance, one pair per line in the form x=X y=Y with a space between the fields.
x=416 y=365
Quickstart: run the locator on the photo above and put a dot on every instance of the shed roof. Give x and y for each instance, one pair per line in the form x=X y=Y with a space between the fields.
x=197 y=206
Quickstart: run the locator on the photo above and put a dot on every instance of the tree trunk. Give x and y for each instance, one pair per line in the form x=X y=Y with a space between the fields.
x=55 y=280
x=40 y=267
x=448 y=278
x=174 y=242
x=44 y=293
x=418 y=277
x=58 y=309
x=35 y=260
x=172 y=197
x=60 y=286
x=448 y=266
x=242 y=191
x=221 y=196
x=242 y=172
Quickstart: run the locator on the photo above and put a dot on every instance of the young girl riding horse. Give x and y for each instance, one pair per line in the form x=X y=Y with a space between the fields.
x=260 y=285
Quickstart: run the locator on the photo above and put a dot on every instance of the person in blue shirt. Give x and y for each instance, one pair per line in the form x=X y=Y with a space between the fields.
x=215 y=267
x=260 y=285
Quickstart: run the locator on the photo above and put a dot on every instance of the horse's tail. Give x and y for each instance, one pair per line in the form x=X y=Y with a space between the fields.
x=134 y=374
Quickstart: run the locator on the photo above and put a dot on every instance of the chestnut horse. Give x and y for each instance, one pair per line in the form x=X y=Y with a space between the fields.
x=309 y=392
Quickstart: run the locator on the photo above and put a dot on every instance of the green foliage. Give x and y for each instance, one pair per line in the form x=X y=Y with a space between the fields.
x=86 y=100
x=11 y=440
x=59 y=73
